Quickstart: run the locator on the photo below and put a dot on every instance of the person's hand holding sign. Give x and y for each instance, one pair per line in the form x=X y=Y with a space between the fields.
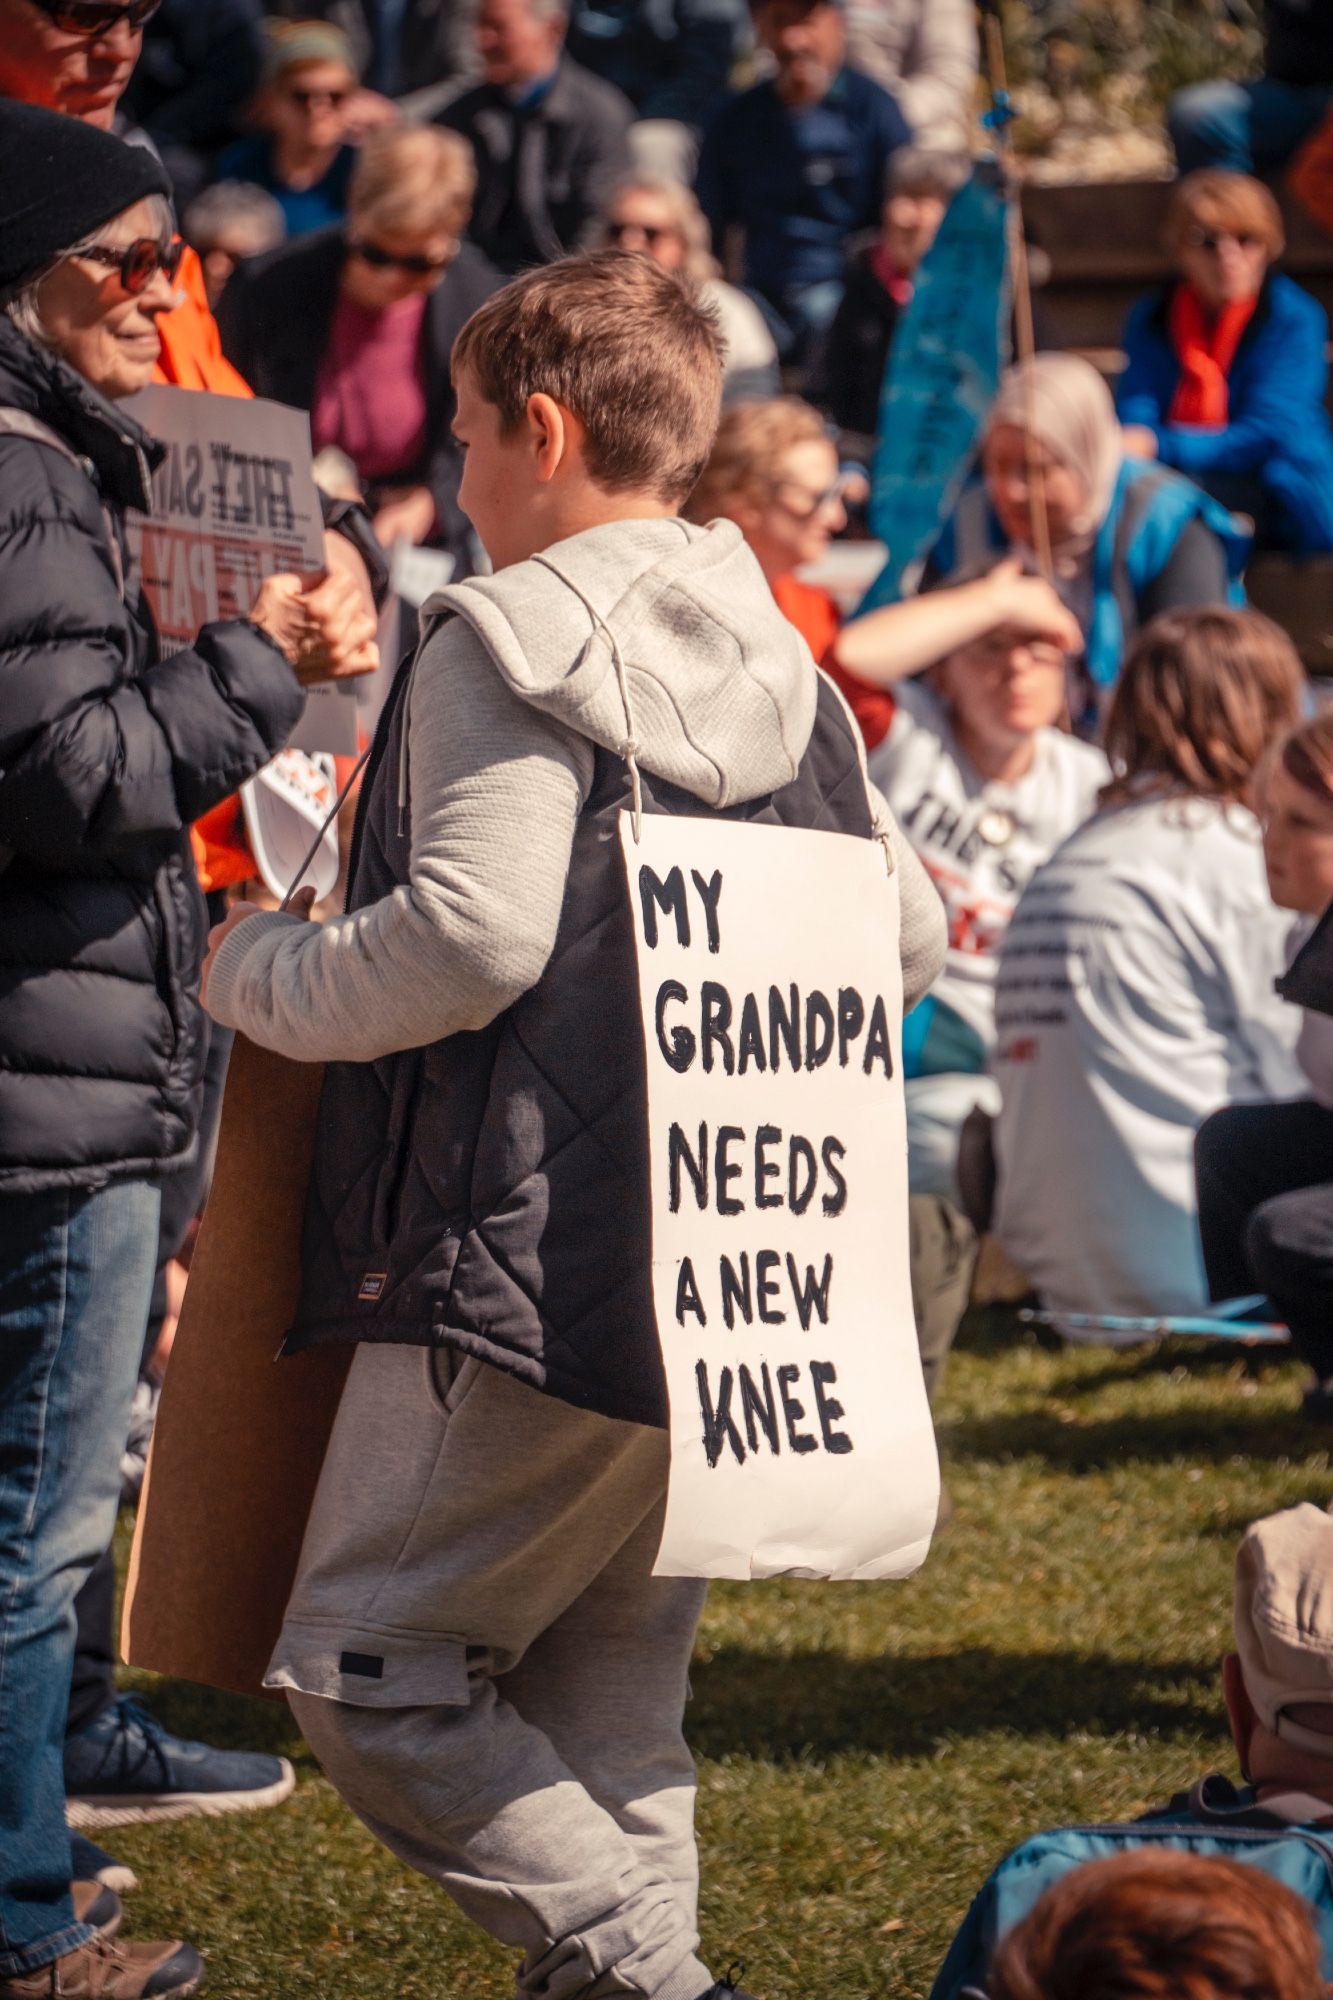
x=300 y=906
x=322 y=623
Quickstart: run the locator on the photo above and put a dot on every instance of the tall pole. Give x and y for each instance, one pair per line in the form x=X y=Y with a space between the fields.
x=1024 y=339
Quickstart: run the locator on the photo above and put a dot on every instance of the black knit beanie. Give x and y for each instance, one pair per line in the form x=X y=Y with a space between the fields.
x=59 y=180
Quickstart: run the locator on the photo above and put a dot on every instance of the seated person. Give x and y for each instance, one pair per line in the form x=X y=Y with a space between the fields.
x=1138 y=1926
x=974 y=761
x=1265 y=1171
x=671 y=58
x=797 y=164
x=663 y=220
x=1128 y=539
x=299 y=152
x=774 y=472
x=230 y=221
x=985 y=784
x=1254 y=127
x=356 y=325
x=925 y=54
x=1279 y=1702
x=402 y=48
x=550 y=139
x=1225 y=374
x=879 y=286
x=1135 y=991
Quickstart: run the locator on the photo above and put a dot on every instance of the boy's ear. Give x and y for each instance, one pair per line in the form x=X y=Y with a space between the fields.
x=555 y=432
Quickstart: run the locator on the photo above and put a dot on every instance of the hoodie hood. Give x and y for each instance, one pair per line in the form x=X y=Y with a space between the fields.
x=721 y=688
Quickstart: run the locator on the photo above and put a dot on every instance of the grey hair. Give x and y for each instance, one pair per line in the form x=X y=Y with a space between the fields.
x=687 y=219
x=231 y=203
x=917 y=170
x=20 y=302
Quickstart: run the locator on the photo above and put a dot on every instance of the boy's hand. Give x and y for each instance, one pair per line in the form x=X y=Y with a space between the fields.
x=237 y=914
x=300 y=906
x=322 y=623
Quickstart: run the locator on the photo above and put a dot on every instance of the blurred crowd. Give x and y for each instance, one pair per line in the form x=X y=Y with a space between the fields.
x=1117 y=776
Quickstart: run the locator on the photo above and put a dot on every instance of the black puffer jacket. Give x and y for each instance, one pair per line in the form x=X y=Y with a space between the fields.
x=107 y=752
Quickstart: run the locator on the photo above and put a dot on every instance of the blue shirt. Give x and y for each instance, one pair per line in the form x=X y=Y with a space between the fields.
x=799 y=180
x=304 y=208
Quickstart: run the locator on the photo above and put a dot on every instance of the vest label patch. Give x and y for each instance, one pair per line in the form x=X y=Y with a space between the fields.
x=372 y=1285
x=366 y=1666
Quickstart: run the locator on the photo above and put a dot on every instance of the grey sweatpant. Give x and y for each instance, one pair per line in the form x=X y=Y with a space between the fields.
x=480 y=1658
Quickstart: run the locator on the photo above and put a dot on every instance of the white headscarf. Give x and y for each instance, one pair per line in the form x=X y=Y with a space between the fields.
x=1069 y=408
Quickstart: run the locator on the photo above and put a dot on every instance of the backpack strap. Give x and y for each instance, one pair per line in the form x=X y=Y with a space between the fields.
x=20 y=423
x=1214 y=1801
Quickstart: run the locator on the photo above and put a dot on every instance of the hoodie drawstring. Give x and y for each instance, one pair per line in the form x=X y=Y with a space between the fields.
x=629 y=749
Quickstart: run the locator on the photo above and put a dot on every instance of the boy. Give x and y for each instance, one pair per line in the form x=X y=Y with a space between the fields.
x=476 y=1648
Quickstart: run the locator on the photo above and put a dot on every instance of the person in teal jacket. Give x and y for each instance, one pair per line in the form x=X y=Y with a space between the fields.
x=1129 y=537
x=1225 y=371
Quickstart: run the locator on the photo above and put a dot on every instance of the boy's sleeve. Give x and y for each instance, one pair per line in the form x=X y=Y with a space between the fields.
x=924 y=940
x=923 y=943
x=496 y=790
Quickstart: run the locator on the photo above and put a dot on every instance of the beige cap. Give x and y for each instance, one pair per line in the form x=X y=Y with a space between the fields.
x=1283 y=1605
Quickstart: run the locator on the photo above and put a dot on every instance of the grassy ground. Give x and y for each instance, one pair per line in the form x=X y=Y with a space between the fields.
x=865 y=1751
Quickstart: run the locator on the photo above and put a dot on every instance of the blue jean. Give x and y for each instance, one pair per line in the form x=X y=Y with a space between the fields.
x=1252 y=128
x=76 y=1274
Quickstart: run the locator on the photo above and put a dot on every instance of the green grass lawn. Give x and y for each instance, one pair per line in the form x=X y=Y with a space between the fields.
x=866 y=1751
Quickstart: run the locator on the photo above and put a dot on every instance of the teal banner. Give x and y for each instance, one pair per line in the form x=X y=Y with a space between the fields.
x=944 y=367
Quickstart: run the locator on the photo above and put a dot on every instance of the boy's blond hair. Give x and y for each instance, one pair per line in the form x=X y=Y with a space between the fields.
x=746 y=460
x=629 y=348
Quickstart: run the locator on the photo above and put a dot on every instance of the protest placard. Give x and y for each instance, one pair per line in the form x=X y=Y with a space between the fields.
x=239 y=1439
x=234 y=501
x=771 y=995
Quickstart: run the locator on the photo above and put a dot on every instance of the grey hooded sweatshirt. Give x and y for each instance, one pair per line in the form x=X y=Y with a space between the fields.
x=513 y=684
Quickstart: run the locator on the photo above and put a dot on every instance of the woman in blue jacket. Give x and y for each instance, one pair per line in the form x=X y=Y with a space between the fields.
x=1128 y=539
x=1226 y=369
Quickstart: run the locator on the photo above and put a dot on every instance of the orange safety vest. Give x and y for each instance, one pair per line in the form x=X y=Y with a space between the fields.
x=191 y=356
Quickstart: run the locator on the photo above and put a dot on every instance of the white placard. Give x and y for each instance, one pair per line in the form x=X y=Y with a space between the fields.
x=234 y=501
x=771 y=992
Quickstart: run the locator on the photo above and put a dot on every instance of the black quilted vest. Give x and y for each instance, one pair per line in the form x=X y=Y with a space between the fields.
x=490 y=1192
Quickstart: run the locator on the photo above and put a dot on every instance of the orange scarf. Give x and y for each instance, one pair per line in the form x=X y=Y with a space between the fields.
x=1205 y=349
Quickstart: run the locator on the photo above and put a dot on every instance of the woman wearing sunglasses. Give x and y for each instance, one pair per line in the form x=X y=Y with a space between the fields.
x=662 y=220
x=107 y=752
x=1226 y=372
x=299 y=152
x=356 y=325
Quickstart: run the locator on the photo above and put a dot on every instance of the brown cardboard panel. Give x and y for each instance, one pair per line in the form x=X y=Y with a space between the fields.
x=240 y=1436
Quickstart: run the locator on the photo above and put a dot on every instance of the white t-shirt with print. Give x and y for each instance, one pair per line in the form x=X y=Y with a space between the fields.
x=1135 y=997
x=980 y=841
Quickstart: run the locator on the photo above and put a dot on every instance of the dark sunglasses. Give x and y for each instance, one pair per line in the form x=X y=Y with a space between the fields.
x=93 y=17
x=1213 y=239
x=616 y=232
x=305 y=98
x=384 y=260
x=138 y=265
